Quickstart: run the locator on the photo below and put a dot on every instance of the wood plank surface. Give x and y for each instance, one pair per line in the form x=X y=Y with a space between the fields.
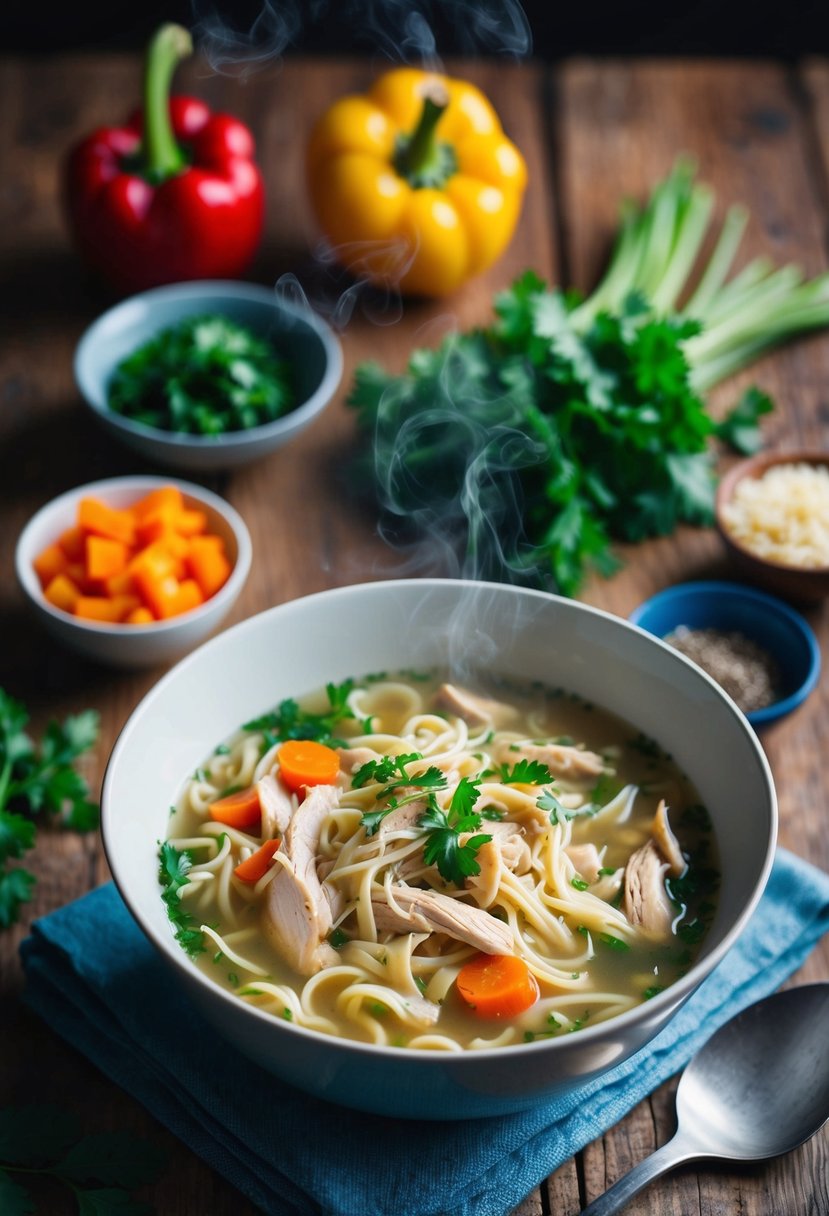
x=591 y=132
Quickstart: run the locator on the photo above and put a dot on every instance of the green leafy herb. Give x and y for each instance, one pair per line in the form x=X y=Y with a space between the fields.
x=38 y=777
x=443 y=848
x=288 y=721
x=173 y=870
x=532 y=444
x=392 y=772
x=205 y=376
x=615 y=943
x=547 y=801
x=579 y=884
x=653 y=991
x=100 y=1169
x=525 y=772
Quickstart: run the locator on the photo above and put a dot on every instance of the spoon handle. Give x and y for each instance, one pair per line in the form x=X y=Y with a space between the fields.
x=673 y=1153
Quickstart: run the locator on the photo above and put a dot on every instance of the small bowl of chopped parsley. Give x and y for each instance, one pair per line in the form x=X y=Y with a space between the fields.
x=760 y=651
x=207 y=375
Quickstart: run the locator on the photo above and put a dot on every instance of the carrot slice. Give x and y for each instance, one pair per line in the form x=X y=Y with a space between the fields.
x=239 y=810
x=139 y=616
x=497 y=985
x=72 y=542
x=254 y=867
x=304 y=762
x=111 y=609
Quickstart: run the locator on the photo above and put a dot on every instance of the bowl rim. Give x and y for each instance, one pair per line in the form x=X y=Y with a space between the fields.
x=755 y=467
x=241 y=568
x=169 y=949
x=719 y=588
x=230 y=289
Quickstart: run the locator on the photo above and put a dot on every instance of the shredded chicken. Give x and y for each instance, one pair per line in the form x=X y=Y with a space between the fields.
x=585 y=858
x=484 y=885
x=666 y=842
x=417 y=911
x=297 y=914
x=352 y=758
x=277 y=806
x=573 y=763
x=645 y=901
x=403 y=819
x=475 y=710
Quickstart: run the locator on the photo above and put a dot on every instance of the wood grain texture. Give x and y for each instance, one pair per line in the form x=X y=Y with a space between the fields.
x=591 y=133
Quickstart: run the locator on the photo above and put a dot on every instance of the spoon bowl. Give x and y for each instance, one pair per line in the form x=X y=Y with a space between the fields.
x=758 y=1088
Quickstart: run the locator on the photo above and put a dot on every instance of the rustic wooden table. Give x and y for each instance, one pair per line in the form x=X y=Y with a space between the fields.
x=591 y=132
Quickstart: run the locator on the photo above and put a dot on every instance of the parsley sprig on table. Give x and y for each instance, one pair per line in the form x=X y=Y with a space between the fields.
x=204 y=376
x=35 y=777
x=531 y=445
x=100 y=1169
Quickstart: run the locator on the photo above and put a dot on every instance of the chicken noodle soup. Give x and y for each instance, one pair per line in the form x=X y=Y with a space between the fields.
x=466 y=872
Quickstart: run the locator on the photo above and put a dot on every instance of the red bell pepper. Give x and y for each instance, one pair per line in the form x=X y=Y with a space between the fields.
x=173 y=194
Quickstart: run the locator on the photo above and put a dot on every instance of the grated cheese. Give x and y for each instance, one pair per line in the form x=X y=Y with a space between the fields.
x=783 y=516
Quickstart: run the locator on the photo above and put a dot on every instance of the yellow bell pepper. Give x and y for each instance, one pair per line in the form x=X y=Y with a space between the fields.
x=414 y=184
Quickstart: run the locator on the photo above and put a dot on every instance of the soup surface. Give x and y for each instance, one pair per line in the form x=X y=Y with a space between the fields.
x=440 y=869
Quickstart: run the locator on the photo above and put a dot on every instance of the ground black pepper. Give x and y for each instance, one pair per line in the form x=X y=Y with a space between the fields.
x=742 y=668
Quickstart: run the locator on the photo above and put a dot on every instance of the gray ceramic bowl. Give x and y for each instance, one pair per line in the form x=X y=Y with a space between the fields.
x=297 y=333
x=296 y=648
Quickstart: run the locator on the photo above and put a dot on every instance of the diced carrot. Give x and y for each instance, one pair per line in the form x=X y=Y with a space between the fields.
x=497 y=985
x=206 y=561
x=49 y=563
x=134 y=564
x=164 y=496
x=304 y=762
x=120 y=584
x=96 y=517
x=186 y=597
x=239 y=810
x=157 y=524
x=72 y=541
x=190 y=522
x=257 y=865
x=105 y=557
x=105 y=608
x=139 y=616
x=62 y=593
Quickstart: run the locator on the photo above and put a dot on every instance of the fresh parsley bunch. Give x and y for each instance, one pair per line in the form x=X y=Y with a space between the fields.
x=531 y=445
x=38 y=777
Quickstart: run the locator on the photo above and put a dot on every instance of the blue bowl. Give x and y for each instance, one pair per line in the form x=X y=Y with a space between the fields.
x=778 y=629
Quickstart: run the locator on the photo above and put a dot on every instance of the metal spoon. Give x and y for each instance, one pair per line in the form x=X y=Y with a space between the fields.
x=758 y=1088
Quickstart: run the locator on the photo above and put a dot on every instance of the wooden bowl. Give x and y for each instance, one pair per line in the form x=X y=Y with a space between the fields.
x=805 y=584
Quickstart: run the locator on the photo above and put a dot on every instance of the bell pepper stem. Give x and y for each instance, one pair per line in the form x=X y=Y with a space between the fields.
x=163 y=157
x=420 y=151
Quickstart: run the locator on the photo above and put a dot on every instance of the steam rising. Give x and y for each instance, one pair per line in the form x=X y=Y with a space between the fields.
x=405 y=31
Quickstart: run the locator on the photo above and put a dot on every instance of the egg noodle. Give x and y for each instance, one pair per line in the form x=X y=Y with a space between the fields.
x=550 y=855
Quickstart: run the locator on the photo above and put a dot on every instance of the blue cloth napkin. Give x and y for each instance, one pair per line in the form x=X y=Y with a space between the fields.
x=97 y=981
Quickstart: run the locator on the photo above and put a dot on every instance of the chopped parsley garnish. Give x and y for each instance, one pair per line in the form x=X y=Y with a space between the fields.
x=653 y=991
x=288 y=721
x=547 y=801
x=206 y=375
x=173 y=871
x=525 y=772
x=615 y=943
x=443 y=848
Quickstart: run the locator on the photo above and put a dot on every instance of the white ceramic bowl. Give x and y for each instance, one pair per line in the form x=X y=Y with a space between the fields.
x=297 y=334
x=133 y=645
x=296 y=648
